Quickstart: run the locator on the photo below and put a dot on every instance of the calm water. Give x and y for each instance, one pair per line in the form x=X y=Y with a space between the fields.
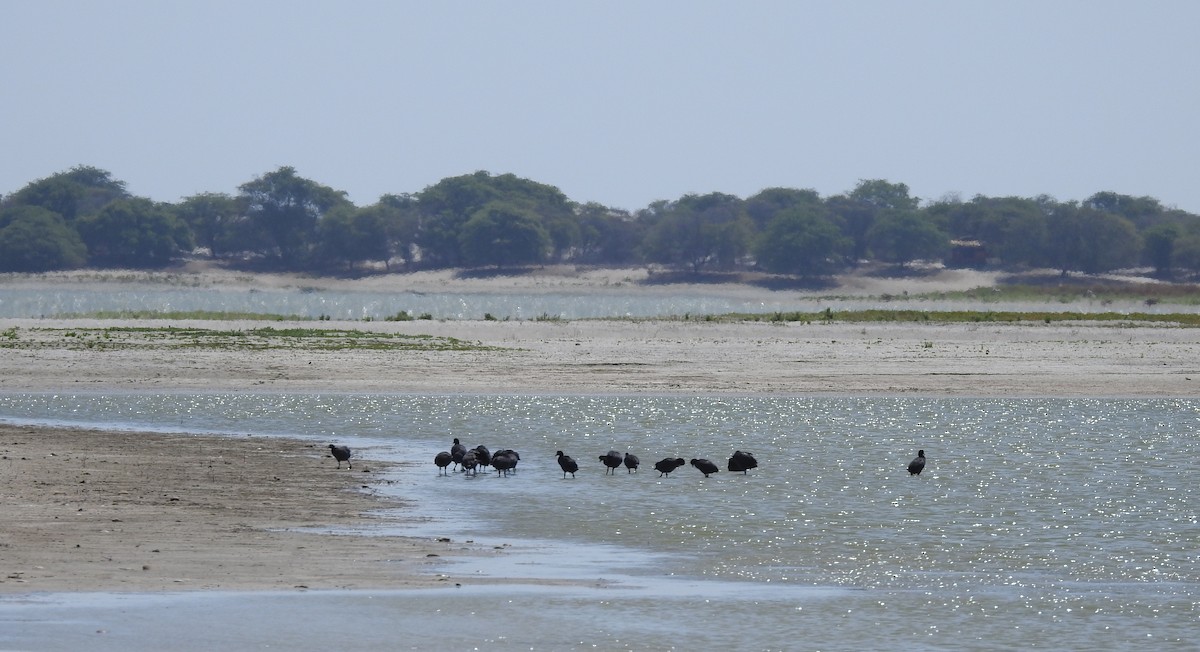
x=615 y=302
x=19 y=303
x=1052 y=524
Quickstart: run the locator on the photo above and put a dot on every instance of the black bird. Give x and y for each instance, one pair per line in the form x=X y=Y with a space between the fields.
x=505 y=461
x=341 y=454
x=483 y=455
x=666 y=465
x=742 y=461
x=611 y=459
x=705 y=466
x=470 y=462
x=456 y=453
x=631 y=462
x=918 y=464
x=567 y=463
x=516 y=457
x=443 y=460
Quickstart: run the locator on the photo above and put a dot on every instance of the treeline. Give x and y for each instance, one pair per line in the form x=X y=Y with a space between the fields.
x=280 y=220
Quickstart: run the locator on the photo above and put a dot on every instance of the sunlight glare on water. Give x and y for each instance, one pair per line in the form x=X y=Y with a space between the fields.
x=1034 y=521
x=631 y=301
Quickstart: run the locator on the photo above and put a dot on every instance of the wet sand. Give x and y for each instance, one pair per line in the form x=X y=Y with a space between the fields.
x=88 y=510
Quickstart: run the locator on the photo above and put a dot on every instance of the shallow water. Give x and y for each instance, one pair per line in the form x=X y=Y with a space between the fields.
x=1057 y=523
x=595 y=303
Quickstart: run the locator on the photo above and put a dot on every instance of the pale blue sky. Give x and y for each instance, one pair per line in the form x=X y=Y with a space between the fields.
x=616 y=101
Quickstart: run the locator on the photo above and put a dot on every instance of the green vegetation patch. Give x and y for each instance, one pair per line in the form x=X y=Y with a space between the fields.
x=207 y=315
x=1071 y=290
x=169 y=337
x=967 y=316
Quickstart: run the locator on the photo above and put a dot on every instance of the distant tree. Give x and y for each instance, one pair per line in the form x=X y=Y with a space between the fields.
x=762 y=207
x=1012 y=229
x=400 y=219
x=607 y=236
x=884 y=195
x=698 y=231
x=1088 y=240
x=461 y=195
x=901 y=237
x=446 y=206
x=855 y=217
x=134 y=233
x=1185 y=251
x=1018 y=228
x=83 y=190
x=652 y=214
x=34 y=239
x=551 y=207
x=802 y=240
x=1159 y=247
x=1143 y=212
x=287 y=208
x=861 y=208
x=502 y=235
x=349 y=236
x=212 y=217
x=56 y=194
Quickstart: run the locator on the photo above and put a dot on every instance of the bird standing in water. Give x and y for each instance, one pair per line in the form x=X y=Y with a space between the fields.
x=443 y=460
x=742 y=461
x=918 y=464
x=457 y=450
x=611 y=459
x=631 y=462
x=665 y=466
x=705 y=466
x=567 y=464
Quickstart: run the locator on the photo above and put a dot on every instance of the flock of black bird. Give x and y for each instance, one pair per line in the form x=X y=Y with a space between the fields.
x=505 y=461
x=470 y=459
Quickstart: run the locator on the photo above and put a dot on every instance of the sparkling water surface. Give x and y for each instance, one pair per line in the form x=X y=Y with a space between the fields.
x=1038 y=523
x=17 y=302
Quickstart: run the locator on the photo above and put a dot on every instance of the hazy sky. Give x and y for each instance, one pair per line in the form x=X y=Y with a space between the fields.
x=614 y=101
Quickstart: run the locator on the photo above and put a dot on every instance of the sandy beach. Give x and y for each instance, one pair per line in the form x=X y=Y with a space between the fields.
x=89 y=510
x=620 y=356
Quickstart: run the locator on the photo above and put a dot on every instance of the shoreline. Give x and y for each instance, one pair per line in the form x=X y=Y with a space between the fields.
x=121 y=511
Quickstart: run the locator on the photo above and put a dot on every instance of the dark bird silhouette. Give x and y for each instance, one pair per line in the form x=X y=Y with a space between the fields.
x=483 y=456
x=611 y=459
x=567 y=464
x=443 y=460
x=631 y=462
x=505 y=461
x=341 y=454
x=470 y=463
x=918 y=464
x=666 y=465
x=742 y=461
x=456 y=453
x=705 y=466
